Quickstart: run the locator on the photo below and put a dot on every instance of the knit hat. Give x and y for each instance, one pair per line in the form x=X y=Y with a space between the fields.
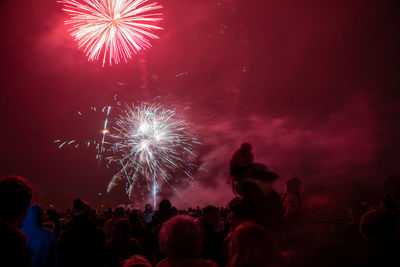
x=148 y=208
x=243 y=157
x=80 y=207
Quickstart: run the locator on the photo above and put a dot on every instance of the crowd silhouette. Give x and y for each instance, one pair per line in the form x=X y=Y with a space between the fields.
x=259 y=227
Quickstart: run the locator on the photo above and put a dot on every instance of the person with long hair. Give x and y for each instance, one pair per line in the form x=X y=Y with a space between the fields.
x=181 y=240
x=251 y=245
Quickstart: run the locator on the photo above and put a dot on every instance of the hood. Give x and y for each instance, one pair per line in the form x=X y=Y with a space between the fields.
x=33 y=216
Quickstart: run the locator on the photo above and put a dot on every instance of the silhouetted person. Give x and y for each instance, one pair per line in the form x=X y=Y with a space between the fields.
x=118 y=213
x=380 y=247
x=138 y=227
x=164 y=212
x=174 y=211
x=251 y=245
x=241 y=159
x=391 y=188
x=260 y=202
x=181 y=241
x=381 y=231
x=121 y=246
x=148 y=214
x=292 y=199
x=352 y=232
x=54 y=217
x=82 y=243
x=39 y=239
x=136 y=261
x=15 y=198
x=213 y=242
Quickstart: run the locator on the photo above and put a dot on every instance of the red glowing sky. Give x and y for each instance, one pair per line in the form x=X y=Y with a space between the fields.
x=313 y=85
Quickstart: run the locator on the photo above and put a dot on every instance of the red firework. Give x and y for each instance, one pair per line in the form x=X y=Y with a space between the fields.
x=115 y=29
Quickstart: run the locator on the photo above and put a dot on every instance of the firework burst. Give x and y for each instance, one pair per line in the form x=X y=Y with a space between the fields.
x=115 y=29
x=150 y=145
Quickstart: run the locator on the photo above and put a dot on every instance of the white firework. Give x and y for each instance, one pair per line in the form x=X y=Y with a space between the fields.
x=150 y=145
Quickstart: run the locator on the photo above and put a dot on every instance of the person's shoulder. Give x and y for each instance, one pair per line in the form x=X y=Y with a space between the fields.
x=273 y=196
x=163 y=263
x=199 y=262
x=111 y=220
x=47 y=233
x=292 y=197
x=11 y=236
x=99 y=232
x=65 y=233
x=5 y=228
x=108 y=223
x=134 y=241
x=210 y=263
x=157 y=228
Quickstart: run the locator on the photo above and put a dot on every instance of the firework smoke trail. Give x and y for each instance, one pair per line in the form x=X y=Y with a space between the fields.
x=150 y=144
x=115 y=28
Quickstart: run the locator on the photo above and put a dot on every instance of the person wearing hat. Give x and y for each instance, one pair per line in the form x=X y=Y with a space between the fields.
x=259 y=201
x=291 y=199
x=148 y=214
x=82 y=243
x=108 y=226
x=241 y=159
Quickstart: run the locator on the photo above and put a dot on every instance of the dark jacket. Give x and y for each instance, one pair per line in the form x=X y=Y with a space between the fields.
x=82 y=244
x=13 y=251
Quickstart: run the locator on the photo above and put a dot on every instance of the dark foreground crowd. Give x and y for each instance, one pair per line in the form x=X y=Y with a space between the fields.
x=259 y=227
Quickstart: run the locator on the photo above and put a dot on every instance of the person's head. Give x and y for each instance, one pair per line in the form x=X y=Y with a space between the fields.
x=80 y=209
x=391 y=188
x=237 y=214
x=251 y=245
x=243 y=156
x=256 y=180
x=293 y=185
x=136 y=261
x=246 y=147
x=121 y=229
x=148 y=208
x=174 y=211
x=118 y=212
x=165 y=204
x=164 y=209
x=210 y=216
x=181 y=237
x=378 y=225
x=15 y=198
x=356 y=211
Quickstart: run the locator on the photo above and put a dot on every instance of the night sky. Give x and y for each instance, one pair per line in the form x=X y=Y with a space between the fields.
x=313 y=85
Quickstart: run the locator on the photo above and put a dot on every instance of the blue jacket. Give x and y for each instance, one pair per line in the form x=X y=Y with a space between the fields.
x=40 y=240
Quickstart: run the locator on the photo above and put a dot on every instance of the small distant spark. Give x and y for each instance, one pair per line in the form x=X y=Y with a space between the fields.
x=91 y=141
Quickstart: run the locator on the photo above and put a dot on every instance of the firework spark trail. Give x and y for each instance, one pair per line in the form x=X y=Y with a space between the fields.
x=116 y=28
x=151 y=144
x=105 y=131
x=98 y=145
